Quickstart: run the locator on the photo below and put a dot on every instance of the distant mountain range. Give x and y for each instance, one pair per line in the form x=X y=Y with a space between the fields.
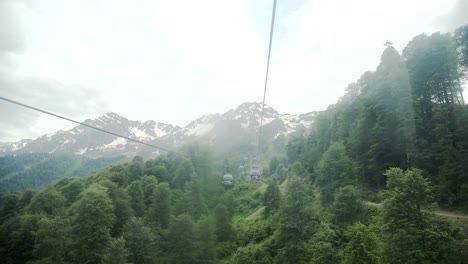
x=221 y=131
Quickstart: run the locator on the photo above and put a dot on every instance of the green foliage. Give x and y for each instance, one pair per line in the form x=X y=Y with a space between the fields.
x=296 y=224
x=122 y=209
x=461 y=41
x=159 y=212
x=119 y=174
x=10 y=204
x=323 y=247
x=17 y=238
x=141 y=242
x=158 y=170
x=93 y=218
x=137 y=201
x=180 y=241
x=432 y=64
x=148 y=184
x=47 y=201
x=252 y=254
x=37 y=170
x=191 y=201
x=70 y=187
x=413 y=235
x=335 y=169
x=184 y=173
x=223 y=218
x=363 y=246
x=252 y=231
x=347 y=207
x=53 y=239
x=136 y=168
x=116 y=253
x=271 y=198
x=204 y=242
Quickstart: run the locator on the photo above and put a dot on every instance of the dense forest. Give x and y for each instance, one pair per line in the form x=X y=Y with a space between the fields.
x=409 y=113
x=37 y=170
x=363 y=187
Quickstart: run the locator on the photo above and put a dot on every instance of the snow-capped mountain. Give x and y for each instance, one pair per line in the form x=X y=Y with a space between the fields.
x=222 y=131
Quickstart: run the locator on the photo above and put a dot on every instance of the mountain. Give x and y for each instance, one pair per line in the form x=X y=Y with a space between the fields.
x=223 y=132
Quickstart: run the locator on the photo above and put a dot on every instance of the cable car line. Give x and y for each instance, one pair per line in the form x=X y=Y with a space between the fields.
x=254 y=170
x=266 y=75
x=86 y=125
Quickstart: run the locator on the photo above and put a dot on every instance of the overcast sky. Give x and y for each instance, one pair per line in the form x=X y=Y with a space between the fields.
x=173 y=61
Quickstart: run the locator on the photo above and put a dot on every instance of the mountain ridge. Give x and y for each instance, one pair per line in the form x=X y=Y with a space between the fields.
x=238 y=126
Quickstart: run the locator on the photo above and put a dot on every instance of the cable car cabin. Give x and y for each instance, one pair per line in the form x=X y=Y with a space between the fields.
x=242 y=171
x=228 y=180
x=255 y=174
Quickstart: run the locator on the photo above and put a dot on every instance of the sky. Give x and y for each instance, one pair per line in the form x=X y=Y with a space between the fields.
x=174 y=61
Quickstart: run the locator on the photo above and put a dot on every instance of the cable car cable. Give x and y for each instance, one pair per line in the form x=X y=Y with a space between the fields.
x=266 y=76
x=86 y=125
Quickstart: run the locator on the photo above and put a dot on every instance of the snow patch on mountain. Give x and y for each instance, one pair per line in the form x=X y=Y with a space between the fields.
x=137 y=132
x=159 y=132
x=68 y=141
x=9 y=147
x=267 y=120
x=117 y=143
x=289 y=120
x=52 y=151
x=82 y=151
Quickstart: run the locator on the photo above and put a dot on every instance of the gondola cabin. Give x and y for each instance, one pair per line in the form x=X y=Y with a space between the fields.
x=228 y=180
x=255 y=173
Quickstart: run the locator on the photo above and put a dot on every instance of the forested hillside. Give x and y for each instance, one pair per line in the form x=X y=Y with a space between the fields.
x=174 y=210
x=399 y=137
x=410 y=112
x=37 y=170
